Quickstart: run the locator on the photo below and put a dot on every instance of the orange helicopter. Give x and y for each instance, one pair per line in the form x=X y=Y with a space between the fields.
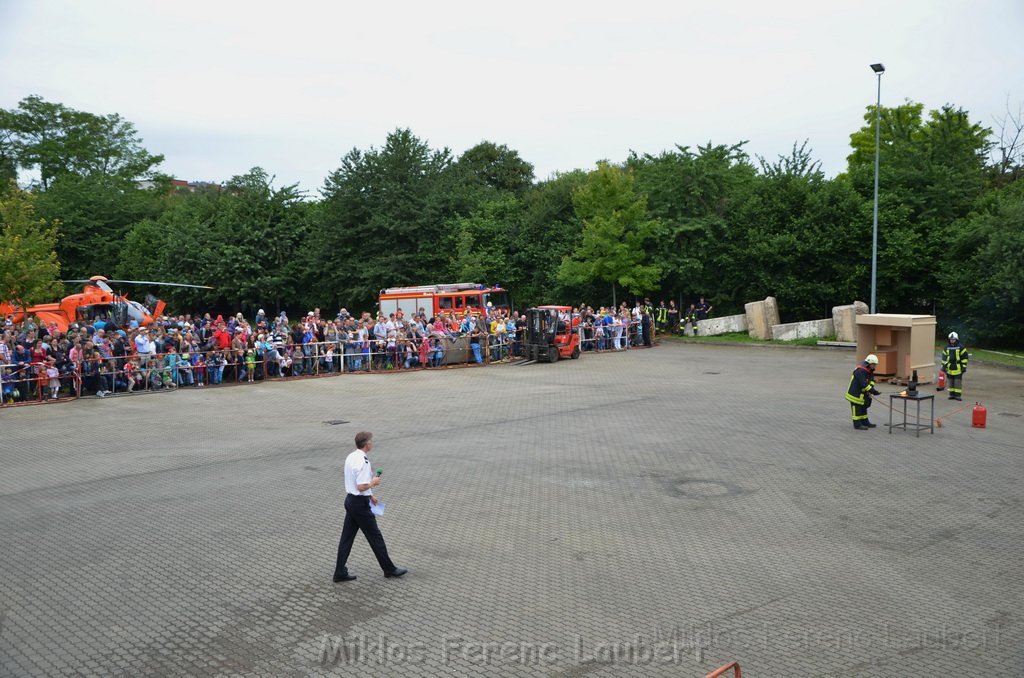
x=96 y=300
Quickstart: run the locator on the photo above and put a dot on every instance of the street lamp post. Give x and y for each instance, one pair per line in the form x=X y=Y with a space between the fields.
x=878 y=69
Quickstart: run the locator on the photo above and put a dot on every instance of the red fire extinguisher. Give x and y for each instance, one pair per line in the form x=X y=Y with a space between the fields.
x=979 y=416
x=942 y=381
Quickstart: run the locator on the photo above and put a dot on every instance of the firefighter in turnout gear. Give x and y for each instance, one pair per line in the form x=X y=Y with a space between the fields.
x=661 y=317
x=954 y=364
x=862 y=387
x=689 y=318
x=673 y=317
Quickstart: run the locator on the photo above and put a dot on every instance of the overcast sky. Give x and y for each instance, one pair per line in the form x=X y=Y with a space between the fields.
x=220 y=87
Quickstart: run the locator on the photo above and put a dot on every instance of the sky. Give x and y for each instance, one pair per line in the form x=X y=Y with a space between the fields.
x=221 y=87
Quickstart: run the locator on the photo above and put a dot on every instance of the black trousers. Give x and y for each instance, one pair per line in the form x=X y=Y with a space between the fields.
x=956 y=383
x=358 y=517
x=860 y=412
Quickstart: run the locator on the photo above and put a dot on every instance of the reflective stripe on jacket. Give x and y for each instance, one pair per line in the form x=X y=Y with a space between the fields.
x=954 y=359
x=862 y=382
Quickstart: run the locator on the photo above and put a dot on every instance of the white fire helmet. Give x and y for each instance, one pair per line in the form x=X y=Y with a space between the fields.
x=872 y=359
x=953 y=336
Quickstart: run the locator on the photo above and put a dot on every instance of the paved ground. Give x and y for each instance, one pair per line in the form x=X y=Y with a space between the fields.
x=655 y=512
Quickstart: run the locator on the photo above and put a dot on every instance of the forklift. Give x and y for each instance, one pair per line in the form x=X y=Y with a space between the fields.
x=549 y=336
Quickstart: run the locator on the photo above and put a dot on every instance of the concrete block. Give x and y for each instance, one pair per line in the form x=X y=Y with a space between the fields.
x=844 y=318
x=803 y=330
x=722 y=325
x=761 y=316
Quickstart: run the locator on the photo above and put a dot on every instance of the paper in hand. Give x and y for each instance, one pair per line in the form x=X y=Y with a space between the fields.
x=378 y=508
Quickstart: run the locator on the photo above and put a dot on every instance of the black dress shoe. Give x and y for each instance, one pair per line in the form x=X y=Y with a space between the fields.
x=397 y=572
x=344 y=577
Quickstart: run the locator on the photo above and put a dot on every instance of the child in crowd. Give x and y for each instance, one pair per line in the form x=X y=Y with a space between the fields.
x=510 y=336
x=199 y=368
x=391 y=361
x=131 y=373
x=412 y=353
x=104 y=378
x=498 y=340
x=185 y=377
x=437 y=350
x=215 y=367
x=424 y=349
x=8 y=387
x=250 y=365
x=329 y=359
x=153 y=375
x=53 y=374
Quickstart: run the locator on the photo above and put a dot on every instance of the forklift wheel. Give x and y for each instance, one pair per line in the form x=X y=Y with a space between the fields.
x=553 y=354
x=575 y=353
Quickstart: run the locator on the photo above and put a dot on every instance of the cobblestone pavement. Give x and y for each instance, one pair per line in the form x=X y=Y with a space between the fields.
x=655 y=512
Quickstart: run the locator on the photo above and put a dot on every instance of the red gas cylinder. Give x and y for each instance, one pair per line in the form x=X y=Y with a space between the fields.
x=942 y=381
x=979 y=416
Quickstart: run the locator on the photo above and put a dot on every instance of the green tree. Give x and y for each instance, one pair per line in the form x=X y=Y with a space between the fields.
x=243 y=240
x=86 y=169
x=384 y=221
x=693 y=195
x=96 y=212
x=794 y=235
x=497 y=167
x=8 y=156
x=52 y=139
x=983 y=272
x=616 y=229
x=29 y=269
x=932 y=171
x=548 y=231
x=482 y=242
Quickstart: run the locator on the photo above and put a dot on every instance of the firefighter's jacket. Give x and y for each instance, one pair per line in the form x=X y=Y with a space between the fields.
x=954 y=359
x=862 y=385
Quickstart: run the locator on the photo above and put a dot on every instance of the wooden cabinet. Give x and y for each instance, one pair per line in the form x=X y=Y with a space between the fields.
x=903 y=343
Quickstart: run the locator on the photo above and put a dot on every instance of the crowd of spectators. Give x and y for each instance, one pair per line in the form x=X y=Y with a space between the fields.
x=40 y=362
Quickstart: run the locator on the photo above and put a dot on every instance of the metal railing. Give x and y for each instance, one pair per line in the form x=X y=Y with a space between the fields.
x=133 y=373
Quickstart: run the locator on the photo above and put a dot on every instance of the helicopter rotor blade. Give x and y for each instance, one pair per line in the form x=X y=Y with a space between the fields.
x=103 y=286
x=98 y=283
x=165 y=284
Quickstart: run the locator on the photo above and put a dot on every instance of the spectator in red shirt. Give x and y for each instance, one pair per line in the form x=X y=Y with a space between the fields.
x=222 y=337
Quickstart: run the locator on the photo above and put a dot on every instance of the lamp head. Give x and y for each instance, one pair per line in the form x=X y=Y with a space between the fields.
x=878 y=68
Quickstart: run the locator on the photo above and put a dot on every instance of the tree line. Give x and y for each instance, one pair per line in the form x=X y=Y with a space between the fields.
x=705 y=220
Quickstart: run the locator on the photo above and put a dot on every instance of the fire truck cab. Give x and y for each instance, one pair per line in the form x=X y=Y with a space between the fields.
x=454 y=298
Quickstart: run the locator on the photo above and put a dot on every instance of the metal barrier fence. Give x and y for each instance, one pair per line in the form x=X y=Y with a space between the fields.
x=35 y=383
x=29 y=383
x=614 y=337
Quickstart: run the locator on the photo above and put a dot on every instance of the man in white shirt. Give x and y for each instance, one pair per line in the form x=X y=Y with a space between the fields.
x=143 y=344
x=359 y=483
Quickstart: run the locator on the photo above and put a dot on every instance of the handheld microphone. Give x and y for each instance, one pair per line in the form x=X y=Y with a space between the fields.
x=379 y=471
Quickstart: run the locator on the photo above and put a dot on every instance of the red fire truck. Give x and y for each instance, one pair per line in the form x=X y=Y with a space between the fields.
x=456 y=298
